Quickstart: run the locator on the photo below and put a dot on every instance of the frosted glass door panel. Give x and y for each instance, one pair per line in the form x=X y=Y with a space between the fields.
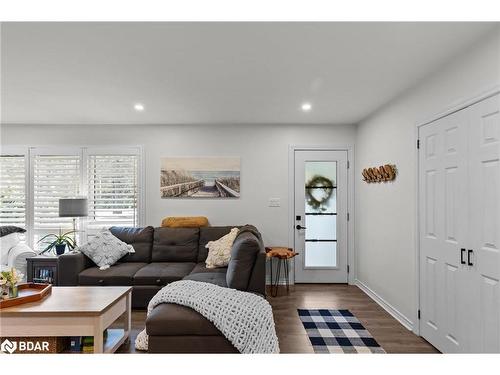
x=320 y=184
x=320 y=214
x=321 y=254
x=321 y=227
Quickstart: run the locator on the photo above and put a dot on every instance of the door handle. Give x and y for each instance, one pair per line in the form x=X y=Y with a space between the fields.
x=462 y=251
x=469 y=253
x=298 y=227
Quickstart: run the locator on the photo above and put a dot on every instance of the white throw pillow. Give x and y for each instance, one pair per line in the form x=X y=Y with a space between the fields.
x=105 y=249
x=219 y=252
x=6 y=243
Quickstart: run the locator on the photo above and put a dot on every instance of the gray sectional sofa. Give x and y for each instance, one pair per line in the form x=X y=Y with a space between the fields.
x=163 y=255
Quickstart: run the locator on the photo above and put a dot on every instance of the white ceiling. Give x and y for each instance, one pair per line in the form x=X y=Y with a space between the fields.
x=93 y=73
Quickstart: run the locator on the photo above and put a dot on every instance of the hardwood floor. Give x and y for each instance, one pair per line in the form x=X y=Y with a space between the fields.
x=389 y=333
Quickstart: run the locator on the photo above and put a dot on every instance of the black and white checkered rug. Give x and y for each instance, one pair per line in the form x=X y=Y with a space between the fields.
x=337 y=331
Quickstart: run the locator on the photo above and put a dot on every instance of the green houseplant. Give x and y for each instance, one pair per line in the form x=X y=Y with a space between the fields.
x=59 y=242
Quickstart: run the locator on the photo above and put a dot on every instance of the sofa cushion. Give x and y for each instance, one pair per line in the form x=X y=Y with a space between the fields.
x=175 y=244
x=210 y=234
x=170 y=319
x=243 y=255
x=216 y=278
x=162 y=273
x=117 y=275
x=202 y=268
x=140 y=238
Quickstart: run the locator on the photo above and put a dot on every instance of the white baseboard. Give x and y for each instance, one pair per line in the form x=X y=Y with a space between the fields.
x=385 y=305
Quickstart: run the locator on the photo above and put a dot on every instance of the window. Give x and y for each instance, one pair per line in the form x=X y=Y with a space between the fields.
x=112 y=190
x=32 y=180
x=54 y=177
x=13 y=190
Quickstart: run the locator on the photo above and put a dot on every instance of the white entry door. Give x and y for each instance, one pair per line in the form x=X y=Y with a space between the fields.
x=320 y=215
x=459 y=207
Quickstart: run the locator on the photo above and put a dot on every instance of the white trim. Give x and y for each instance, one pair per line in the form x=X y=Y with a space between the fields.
x=141 y=179
x=416 y=326
x=396 y=314
x=351 y=253
x=113 y=150
x=13 y=150
x=56 y=150
x=482 y=95
x=23 y=150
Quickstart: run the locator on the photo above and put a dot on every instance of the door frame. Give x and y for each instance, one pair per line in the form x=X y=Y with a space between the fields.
x=349 y=148
x=455 y=107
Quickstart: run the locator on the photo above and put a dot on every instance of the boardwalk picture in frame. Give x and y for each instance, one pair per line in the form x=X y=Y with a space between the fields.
x=201 y=177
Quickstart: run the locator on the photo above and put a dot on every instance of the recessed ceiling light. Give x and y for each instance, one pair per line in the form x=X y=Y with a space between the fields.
x=306 y=107
x=139 y=107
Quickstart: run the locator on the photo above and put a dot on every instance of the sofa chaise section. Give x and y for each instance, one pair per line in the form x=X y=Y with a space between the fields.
x=178 y=329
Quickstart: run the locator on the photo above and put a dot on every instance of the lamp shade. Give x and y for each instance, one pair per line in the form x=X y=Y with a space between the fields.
x=73 y=207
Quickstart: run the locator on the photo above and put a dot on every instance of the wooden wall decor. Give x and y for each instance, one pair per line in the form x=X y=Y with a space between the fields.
x=383 y=173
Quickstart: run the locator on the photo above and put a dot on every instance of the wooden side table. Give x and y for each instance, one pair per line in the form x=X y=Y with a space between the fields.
x=282 y=254
x=42 y=269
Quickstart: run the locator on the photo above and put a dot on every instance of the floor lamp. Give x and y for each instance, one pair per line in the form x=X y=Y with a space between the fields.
x=73 y=207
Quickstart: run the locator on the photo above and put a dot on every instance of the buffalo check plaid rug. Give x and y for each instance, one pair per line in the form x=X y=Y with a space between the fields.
x=337 y=331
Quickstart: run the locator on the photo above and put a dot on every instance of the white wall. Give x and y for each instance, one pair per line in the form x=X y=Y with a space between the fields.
x=264 y=163
x=386 y=213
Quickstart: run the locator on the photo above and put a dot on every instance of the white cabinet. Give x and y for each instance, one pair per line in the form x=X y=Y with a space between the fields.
x=459 y=229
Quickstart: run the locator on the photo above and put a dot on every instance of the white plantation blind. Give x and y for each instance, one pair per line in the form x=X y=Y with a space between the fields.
x=13 y=190
x=112 y=190
x=54 y=177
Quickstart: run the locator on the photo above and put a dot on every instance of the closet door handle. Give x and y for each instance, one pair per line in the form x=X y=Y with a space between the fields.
x=469 y=253
x=462 y=253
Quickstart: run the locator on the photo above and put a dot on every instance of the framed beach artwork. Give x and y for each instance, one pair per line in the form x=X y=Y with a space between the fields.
x=200 y=177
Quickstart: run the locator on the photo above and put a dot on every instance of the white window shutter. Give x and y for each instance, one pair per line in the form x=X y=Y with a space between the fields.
x=112 y=191
x=13 y=190
x=54 y=177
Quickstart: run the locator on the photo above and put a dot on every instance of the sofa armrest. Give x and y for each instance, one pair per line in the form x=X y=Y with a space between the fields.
x=257 y=282
x=68 y=268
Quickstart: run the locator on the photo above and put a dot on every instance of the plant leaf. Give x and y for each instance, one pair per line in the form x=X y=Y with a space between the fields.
x=46 y=236
x=50 y=246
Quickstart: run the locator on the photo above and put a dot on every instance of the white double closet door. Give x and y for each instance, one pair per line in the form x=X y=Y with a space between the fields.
x=459 y=210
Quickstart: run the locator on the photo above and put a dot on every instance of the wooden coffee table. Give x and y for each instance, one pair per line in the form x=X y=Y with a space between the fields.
x=73 y=311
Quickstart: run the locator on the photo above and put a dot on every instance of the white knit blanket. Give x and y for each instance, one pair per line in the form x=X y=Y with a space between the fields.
x=245 y=319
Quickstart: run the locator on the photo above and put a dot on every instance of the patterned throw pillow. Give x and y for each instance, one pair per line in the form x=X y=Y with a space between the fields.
x=105 y=249
x=219 y=252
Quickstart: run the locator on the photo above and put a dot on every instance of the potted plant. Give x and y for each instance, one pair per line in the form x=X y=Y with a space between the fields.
x=10 y=279
x=59 y=242
x=4 y=289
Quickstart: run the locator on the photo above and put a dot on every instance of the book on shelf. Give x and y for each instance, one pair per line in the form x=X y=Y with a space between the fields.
x=84 y=344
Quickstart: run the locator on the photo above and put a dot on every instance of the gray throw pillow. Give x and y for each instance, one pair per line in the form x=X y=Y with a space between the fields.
x=5 y=230
x=105 y=249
